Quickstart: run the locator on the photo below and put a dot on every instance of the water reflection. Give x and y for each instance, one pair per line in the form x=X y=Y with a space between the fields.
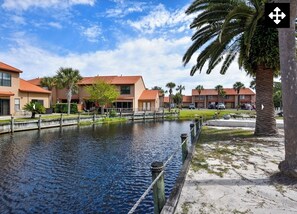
x=88 y=169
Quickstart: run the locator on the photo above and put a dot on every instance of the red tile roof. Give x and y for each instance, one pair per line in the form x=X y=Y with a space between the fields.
x=229 y=91
x=6 y=67
x=29 y=87
x=116 y=80
x=149 y=95
x=187 y=99
x=35 y=81
x=6 y=93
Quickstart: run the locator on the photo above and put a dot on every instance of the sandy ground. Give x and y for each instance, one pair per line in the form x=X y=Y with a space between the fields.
x=239 y=176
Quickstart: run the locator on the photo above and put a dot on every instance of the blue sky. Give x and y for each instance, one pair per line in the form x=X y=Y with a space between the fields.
x=104 y=37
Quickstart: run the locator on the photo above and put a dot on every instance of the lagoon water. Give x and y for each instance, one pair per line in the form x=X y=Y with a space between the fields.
x=91 y=169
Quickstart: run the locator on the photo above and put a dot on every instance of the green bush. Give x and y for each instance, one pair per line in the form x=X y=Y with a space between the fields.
x=113 y=113
x=63 y=107
x=34 y=108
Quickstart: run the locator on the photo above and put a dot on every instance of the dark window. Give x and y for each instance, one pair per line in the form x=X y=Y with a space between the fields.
x=38 y=101
x=5 y=79
x=125 y=89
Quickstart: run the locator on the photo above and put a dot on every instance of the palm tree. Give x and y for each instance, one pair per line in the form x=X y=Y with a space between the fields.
x=68 y=78
x=219 y=89
x=288 y=64
x=170 y=85
x=237 y=87
x=49 y=83
x=199 y=88
x=253 y=84
x=227 y=28
x=180 y=89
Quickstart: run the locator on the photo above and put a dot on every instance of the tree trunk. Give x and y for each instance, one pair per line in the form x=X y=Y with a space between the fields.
x=69 y=95
x=288 y=64
x=265 y=121
x=238 y=98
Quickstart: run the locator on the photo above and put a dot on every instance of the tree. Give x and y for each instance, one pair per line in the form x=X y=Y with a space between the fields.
x=227 y=28
x=34 y=108
x=237 y=87
x=102 y=93
x=170 y=85
x=180 y=89
x=178 y=98
x=199 y=88
x=219 y=89
x=160 y=89
x=68 y=78
x=49 y=83
x=288 y=64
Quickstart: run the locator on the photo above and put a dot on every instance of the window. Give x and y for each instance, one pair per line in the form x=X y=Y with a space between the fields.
x=227 y=97
x=5 y=79
x=201 y=97
x=210 y=97
x=241 y=97
x=125 y=89
x=17 y=106
x=37 y=101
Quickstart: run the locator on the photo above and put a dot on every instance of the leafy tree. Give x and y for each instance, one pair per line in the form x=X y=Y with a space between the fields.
x=34 y=108
x=180 y=89
x=102 y=93
x=170 y=85
x=288 y=64
x=227 y=28
x=178 y=98
x=219 y=89
x=68 y=78
x=237 y=87
x=199 y=88
x=49 y=83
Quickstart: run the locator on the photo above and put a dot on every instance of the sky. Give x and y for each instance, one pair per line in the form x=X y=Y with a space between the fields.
x=105 y=37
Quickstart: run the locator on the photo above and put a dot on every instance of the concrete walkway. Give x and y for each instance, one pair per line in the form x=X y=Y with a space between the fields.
x=238 y=176
x=240 y=123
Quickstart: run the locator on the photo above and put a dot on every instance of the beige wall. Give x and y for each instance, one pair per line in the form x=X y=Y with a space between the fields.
x=139 y=88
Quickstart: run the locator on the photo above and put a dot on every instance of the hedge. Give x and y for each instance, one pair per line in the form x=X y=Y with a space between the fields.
x=63 y=108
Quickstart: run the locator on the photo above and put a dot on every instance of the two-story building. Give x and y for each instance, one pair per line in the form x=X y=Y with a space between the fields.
x=133 y=94
x=16 y=92
x=209 y=96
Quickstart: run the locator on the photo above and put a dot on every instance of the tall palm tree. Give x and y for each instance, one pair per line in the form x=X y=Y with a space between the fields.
x=199 y=88
x=170 y=85
x=68 y=78
x=219 y=89
x=49 y=83
x=180 y=89
x=288 y=64
x=237 y=87
x=227 y=28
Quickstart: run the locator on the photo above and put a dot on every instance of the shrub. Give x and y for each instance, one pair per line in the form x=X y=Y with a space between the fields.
x=113 y=113
x=34 y=108
x=63 y=107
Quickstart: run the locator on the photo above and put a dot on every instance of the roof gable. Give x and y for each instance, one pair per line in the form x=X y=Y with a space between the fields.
x=29 y=87
x=229 y=91
x=6 y=67
x=149 y=95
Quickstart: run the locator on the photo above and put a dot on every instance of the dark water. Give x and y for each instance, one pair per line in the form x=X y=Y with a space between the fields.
x=94 y=169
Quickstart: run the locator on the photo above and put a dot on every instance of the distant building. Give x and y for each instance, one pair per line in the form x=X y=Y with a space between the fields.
x=16 y=92
x=133 y=94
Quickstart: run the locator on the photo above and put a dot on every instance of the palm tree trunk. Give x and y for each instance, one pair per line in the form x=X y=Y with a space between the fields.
x=69 y=95
x=265 y=121
x=237 y=101
x=288 y=64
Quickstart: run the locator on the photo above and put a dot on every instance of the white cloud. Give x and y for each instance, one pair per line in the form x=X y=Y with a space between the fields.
x=26 y=4
x=19 y=20
x=55 y=25
x=123 y=9
x=92 y=33
x=157 y=60
x=160 y=17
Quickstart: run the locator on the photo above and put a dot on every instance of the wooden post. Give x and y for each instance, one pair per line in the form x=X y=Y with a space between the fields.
x=201 y=120
x=78 y=118
x=192 y=131
x=197 y=124
x=133 y=116
x=184 y=146
x=159 y=187
x=120 y=113
x=94 y=118
x=155 y=115
x=39 y=122
x=12 y=124
x=144 y=115
x=61 y=120
x=163 y=115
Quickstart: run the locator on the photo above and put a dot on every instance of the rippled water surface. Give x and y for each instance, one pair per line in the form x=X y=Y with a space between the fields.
x=94 y=169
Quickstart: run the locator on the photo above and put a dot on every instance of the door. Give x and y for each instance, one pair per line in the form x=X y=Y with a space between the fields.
x=4 y=107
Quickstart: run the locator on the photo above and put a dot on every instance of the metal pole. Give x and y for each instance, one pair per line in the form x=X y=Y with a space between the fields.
x=159 y=187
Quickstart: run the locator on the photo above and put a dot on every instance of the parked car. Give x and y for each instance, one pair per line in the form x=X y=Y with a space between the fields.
x=221 y=106
x=246 y=106
x=211 y=106
x=192 y=106
x=280 y=114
